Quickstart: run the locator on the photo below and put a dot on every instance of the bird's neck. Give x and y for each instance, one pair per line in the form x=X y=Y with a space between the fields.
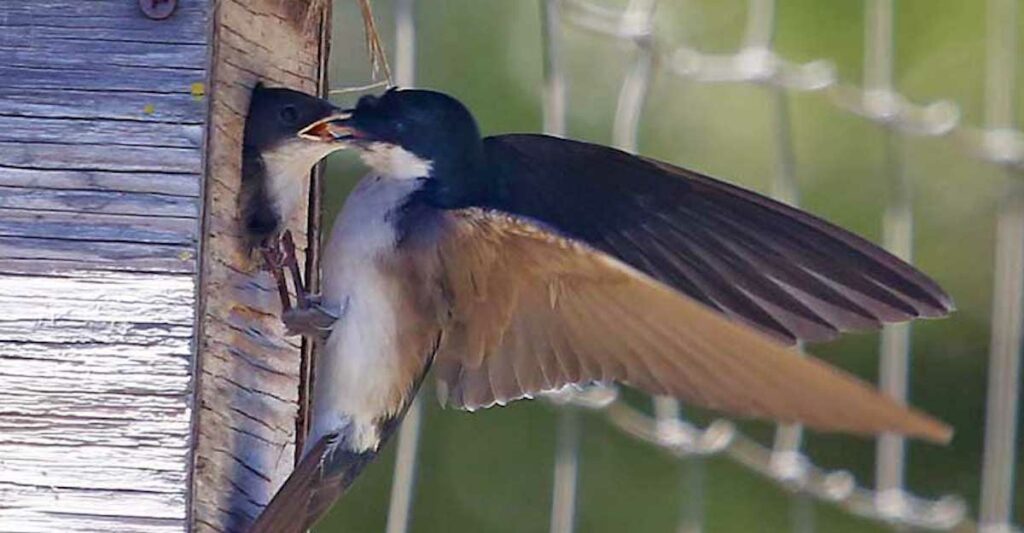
x=286 y=170
x=460 y=181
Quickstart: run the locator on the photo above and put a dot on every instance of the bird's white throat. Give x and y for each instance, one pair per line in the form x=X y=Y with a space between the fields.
x=393 y=161
x=287 y=166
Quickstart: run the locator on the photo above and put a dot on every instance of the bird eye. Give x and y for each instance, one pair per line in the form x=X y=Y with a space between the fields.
x=289 y=114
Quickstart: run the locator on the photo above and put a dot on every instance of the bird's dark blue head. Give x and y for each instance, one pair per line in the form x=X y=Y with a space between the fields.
x=414 y=133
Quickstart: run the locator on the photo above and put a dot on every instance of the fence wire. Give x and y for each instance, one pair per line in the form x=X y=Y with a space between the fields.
x=756 y=62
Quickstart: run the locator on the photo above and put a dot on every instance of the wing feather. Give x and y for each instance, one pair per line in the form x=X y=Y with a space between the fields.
x=572 y=315
x=751 y=258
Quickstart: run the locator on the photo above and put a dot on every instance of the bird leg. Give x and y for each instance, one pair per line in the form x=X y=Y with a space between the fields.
x=275 y=259
x=289 y=260
x=309 y=318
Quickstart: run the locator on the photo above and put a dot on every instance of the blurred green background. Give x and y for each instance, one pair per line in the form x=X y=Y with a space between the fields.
x=491 y=471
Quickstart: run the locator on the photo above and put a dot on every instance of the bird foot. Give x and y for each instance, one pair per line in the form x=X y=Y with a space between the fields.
x=309 y=318
x=314 y=321
x=274 y=260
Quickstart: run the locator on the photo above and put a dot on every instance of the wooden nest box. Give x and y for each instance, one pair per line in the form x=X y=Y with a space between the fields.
x=146 y=382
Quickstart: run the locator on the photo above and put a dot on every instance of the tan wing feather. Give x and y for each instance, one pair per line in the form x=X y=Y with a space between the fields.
x=532 y=311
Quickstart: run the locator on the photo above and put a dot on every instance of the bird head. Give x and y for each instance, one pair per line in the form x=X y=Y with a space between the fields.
x=410 y=133
x=288 y=129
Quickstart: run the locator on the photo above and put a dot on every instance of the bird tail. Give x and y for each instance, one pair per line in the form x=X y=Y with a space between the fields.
x=324 y=475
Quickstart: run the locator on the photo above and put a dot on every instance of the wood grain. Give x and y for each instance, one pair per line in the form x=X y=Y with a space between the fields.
x=95 y=424
x=130 y=404
x=250 y=375
x=101 y=157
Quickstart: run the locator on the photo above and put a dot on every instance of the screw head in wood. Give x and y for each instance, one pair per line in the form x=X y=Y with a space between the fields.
x=158 y=9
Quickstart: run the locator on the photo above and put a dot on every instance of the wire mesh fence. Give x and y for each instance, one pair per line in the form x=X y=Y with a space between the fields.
x=756 y=62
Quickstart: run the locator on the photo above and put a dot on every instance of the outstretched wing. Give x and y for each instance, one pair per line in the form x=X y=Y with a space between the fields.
x=779 y=269
x=532 y=311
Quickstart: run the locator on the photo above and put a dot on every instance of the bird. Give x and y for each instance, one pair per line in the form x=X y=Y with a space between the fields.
x=516 y=264
x=281 y=143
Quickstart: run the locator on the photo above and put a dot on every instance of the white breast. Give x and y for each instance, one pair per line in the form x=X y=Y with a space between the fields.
x=356 y=369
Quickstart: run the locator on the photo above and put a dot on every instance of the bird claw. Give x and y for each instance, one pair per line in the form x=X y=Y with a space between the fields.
x=309 y=317
x=314 y=321
x=274 y=260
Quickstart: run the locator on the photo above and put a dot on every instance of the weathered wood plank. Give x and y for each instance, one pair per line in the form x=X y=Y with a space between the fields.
x=99 y=157
x=108 y=255
x=107 y=361
x=250 y=378
x=102 y=125
x=102 y=289
x=48 y=523
x=13 y=34
x=154 y=79
x=96 y=503
x=124 y=54
x=94 y=430
x=188 y=25
x=96 y=202
x=94 y=476
x=171 y=184
x=100 y=132
x=175 y=108
x=103 y=115
x=96 y=332
x=90 y=226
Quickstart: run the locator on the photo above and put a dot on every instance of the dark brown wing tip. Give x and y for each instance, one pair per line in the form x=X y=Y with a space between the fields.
x=948 y=305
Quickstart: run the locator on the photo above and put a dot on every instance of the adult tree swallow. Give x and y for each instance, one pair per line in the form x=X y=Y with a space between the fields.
x=518 y=264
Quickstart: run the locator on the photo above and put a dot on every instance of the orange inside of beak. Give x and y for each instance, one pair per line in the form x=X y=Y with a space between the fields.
x=320 y=131
x=330 y=129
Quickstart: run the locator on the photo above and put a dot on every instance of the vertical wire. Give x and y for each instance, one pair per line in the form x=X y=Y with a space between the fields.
x=403 y=482
x=1000 y=68
x=760 y=24
x=405 y=42
x=554 y=74
x=878 y=56
x=897 y=237
x=637 y=82
x=569 y=424
x=1008 y=291
x=788 y=437
x=691 y=512
x=894 y=371
x=1004 y=366
x=567 y=465
x=625 y=136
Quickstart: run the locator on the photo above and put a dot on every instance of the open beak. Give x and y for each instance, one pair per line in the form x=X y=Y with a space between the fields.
x=334 y=128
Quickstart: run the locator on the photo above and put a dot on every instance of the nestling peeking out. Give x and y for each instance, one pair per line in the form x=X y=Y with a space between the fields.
x=518 y=264
x=284 y=138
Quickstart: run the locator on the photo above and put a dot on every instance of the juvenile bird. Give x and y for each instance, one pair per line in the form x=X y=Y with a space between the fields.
x=284 y=138
x=518 y=264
